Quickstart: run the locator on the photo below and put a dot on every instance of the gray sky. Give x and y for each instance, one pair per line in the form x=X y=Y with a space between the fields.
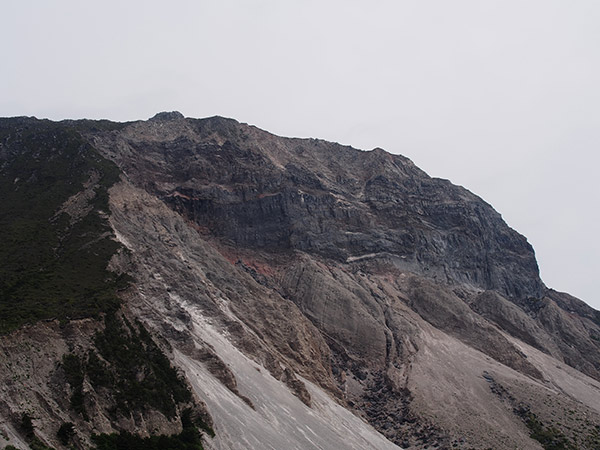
x=502 y=97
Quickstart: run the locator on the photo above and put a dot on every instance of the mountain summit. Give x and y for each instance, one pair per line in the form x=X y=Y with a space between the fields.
x=202 y=282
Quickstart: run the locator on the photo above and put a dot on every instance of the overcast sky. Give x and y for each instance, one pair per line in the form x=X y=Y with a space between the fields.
x=502 y=97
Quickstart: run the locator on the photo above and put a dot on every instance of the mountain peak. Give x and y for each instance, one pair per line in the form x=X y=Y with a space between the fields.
x=167 y=116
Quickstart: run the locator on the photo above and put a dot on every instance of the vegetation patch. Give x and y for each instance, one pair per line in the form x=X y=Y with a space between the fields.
x=189 y=439
x=65 y=433
x=576 y=431
x=26 y=425
x=127 y=362
x=592 y=440
x=74 y=372
x=138 y=371
x=549 y=437
x=52 y=267
x=134 y=372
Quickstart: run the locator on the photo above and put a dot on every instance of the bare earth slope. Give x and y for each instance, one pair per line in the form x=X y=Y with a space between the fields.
x=319 y=296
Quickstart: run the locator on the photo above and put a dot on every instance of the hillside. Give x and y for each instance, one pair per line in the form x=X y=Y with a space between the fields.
x=213 y=285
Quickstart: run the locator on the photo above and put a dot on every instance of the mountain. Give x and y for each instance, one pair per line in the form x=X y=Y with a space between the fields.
x=202 y=283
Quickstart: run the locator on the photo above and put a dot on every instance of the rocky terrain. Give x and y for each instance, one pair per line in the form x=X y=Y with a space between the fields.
x=209 y=284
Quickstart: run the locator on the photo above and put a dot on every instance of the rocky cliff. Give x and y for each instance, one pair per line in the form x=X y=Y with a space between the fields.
x=292 y=293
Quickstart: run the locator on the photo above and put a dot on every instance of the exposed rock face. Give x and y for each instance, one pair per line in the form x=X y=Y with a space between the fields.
x=295 y=280
x=261 y=191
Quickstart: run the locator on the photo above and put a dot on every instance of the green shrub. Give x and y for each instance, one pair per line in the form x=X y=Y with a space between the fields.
x=65 y=432
x=27 y=425
x=74 y=373
x=36 y=444
x=188 y=439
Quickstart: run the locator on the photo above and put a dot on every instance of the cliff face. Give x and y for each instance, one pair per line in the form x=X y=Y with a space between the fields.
x=261 y=191
x=295 y=280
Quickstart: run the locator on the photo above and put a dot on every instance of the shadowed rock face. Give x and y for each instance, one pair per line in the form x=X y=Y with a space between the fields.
x=282 y=269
